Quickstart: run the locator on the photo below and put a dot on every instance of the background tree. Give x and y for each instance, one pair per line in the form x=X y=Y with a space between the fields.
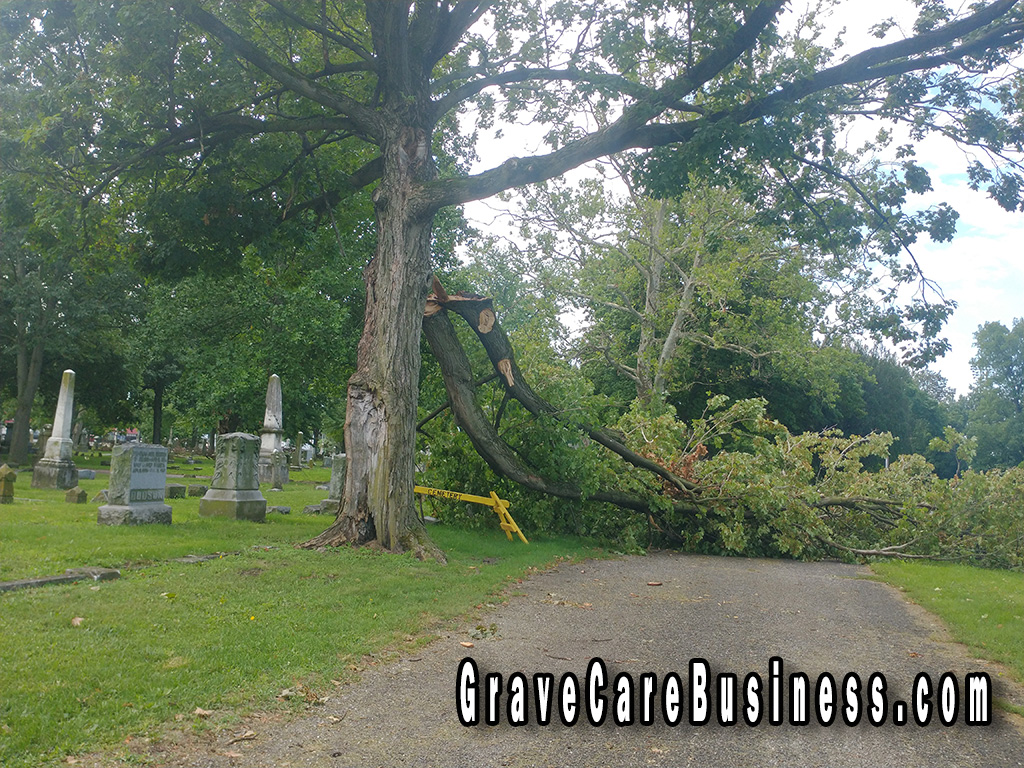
x=996 y=416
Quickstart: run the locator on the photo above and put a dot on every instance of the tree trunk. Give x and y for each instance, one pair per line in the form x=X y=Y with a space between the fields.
x=380 y=419
x=30 y=366
x=158 y=412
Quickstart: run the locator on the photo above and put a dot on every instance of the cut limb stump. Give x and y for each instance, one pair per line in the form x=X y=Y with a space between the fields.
x=486 y=320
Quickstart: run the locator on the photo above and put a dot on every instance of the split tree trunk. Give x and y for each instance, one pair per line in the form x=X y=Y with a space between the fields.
x=380 y=420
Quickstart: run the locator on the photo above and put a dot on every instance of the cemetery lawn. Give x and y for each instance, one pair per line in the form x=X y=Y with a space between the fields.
x=983 y=609
x=87 y=666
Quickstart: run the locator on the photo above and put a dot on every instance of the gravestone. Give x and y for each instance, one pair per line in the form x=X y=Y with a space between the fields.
x=138 y=479
x=198 y=490
x=336 y=488
x=273 y=466
x=279 y=470
x=235 y=489
x=175 y=491
x=296 y=462
x=76 y=495
x=56 y=468
x=7 y=478
x=39 y=450
x=87 y=474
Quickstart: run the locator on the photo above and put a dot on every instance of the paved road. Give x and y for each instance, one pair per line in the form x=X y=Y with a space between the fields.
x=736 y=614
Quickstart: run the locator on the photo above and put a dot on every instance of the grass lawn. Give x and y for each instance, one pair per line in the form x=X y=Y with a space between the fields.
x=984 y=609
x=85 y=666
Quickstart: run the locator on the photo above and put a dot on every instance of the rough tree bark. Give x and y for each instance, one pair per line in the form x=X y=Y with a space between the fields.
x=380 y=420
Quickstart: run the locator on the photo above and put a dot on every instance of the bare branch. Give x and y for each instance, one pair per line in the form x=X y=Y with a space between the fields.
x=365 y=120
x=347 y=41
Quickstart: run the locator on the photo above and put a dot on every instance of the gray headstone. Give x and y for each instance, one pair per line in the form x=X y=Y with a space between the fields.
x=278 y=470
x=271 y=437
x=87 y=474
x=175 y=491
x=336 y=488
x=138 y=480
x=197 y=490
x=235 y=490
x=296 y=463
x=56 y=469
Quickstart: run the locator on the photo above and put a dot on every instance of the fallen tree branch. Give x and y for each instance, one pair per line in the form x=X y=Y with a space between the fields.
x=479 y=314
x=855 y=502
x=448 y=404
x=893 y=551
x=458 y=378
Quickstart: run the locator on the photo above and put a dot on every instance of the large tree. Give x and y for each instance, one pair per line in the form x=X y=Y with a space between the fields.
x=407 y=80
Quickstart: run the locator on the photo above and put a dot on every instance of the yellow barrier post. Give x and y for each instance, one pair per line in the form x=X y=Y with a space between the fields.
x=500 y=507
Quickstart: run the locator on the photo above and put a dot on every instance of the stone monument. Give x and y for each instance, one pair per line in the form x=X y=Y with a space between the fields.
x=279 y=474
x=336 y=488
x=56 y=469
x=296 y=465
x=7 y=478
x=138 y=478
x=273 y=465
x=235 y=490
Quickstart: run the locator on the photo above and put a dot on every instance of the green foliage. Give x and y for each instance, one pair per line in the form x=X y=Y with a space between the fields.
x=996 y=416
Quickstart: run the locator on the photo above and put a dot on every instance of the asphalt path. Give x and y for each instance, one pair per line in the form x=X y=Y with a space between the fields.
x=654 y=615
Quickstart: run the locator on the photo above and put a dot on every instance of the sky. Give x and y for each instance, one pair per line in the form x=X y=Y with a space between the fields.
x=981 y=269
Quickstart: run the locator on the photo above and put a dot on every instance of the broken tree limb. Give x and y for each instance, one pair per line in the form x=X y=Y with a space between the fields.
x=504 y=461
x=499 y=350
x=458 y=379
x=857 y=502
x=893 y=551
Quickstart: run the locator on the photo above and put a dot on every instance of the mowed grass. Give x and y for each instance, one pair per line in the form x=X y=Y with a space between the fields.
x=984 y=609
x=41 y=534
x=88 y=665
